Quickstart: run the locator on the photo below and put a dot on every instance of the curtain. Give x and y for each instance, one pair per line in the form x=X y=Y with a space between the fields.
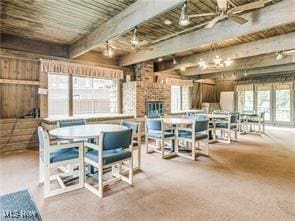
x=245 y=87
x=263 y=86
x=175 y=81
x=79 y=69
x=283 y=86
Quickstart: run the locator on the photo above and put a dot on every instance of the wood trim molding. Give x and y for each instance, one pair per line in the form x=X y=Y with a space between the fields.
x=21 y=82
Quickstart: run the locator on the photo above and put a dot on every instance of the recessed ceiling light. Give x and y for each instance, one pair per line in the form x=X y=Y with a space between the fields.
x=167 y=22
x=182 y=68
x=160 y=59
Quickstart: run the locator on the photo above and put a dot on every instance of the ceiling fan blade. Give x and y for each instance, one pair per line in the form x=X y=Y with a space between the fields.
x=238 y=19
x=214 y=21
x=246 y=7
x=202 y=15
x=290 y=52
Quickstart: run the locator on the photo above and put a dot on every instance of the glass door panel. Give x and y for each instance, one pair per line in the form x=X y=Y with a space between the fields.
x=283 y=105
x=245 y=101
x=264 y=103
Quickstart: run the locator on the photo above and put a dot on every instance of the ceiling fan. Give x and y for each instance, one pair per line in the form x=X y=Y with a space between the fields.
x=223 y=11
x=282 y=54
x=137 y=45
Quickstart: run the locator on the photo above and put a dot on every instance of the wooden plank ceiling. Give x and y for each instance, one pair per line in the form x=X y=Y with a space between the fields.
x=58 y=21
x=66 y=21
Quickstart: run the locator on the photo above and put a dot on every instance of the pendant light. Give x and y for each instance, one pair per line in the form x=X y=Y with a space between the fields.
x=134 y=39
x=184 y=19
x=108 y=51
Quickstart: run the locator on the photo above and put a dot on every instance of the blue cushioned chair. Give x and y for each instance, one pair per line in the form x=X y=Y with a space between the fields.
x=70 y=123
x=228 y=125
x=154 y=130
x=198 y=132
x=258 y=120
x=136 y=141
x=56 y=156
x=113 y=149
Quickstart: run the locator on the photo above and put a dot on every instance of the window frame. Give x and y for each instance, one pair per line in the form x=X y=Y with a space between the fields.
x=181 y=97
x=71 y=85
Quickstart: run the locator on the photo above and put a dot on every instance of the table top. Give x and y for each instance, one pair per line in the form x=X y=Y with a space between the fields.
x=84 y=131
x=177 y=121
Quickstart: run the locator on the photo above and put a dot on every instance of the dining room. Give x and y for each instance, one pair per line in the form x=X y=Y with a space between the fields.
x=147 y=110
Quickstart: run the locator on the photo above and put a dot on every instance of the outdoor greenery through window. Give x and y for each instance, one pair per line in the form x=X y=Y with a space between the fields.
x=89 y=96
x=245 y=101
x=283 y=105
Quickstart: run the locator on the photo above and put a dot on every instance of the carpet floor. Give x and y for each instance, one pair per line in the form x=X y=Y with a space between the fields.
x=252 y=179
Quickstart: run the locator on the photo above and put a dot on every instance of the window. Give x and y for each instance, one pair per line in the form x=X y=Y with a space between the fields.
x=179 y=98
x=58 y=95
x=263 y=103
x=283 y=105
x=245 y=101
x=90 y=96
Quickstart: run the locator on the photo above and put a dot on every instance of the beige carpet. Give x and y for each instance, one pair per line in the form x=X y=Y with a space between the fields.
x=253 y=179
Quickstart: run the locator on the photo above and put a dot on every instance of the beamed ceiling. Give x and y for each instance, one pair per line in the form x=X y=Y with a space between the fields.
x=66 y=21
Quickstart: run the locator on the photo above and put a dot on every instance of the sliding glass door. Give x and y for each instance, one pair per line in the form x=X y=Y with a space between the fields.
x=264 y=103
x=283 y=108
x=276 y=100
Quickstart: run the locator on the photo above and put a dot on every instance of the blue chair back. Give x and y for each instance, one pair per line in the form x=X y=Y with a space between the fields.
x=153 y=124
x=117 y=139
x=201 y=117
x=234 y=117
x=69 y=123
x=201 y=125
x=131 y=125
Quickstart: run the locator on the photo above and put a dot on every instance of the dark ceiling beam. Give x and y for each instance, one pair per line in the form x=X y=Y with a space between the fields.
x=243 y=64
x=281 y=13
x=254 y=48
x=33 y=46
x=134 y=15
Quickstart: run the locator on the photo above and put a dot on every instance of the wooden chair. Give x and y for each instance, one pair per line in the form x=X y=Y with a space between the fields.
x=55 y=156
x=198 y=132
x=70 y=123
x=136 y=141
x=155 y=130
x=226 y=127
x=258 y=121
x=112 y=150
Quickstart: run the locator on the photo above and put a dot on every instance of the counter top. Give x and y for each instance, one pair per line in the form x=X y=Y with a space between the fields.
x=89 y=118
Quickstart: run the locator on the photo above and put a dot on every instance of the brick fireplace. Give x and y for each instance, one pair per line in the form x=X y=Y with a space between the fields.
x=144 y=88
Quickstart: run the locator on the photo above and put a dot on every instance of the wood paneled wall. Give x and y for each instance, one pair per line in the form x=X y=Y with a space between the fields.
x=209 y=93
x=224 y=85
x=18 y=100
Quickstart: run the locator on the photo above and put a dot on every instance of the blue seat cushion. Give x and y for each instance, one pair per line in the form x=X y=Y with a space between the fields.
x=64 y=154
x=109 y=156
x=157 y=134
x=225 y=125
x=188 y=135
